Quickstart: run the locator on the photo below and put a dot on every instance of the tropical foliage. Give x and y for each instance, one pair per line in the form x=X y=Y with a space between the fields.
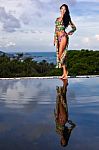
x=83 y=62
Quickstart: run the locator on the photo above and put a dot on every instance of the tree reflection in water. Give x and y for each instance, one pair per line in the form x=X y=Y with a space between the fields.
x=64 y=126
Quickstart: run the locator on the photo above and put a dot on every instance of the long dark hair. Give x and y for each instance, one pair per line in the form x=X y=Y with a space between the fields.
x=66 y=18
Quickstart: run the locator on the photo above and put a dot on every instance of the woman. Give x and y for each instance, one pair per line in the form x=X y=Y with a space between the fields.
x=61 y=38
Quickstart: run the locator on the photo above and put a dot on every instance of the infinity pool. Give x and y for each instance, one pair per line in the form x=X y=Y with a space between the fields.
x=27 y=114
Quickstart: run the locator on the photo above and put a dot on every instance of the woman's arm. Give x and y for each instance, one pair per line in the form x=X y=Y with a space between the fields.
x=73 y=28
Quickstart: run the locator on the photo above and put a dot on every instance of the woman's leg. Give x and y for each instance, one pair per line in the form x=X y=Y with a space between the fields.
x=62 y=46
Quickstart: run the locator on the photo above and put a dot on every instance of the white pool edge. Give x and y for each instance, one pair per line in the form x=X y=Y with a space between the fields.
x=50 y=77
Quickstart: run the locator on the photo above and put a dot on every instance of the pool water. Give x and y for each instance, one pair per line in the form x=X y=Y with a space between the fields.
x=27 y=113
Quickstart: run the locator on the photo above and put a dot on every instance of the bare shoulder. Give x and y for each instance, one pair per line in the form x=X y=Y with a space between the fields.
x=58 y=19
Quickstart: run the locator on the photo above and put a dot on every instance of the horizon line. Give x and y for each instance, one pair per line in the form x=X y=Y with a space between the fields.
x=48 y=51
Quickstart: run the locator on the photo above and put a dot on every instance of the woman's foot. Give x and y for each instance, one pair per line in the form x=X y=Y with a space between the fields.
x=64 y=76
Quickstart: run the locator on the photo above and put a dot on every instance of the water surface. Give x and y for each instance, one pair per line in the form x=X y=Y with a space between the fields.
x=27 y=118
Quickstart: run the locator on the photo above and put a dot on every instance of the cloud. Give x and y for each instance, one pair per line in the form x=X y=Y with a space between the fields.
x=88 y=1
x=10 y=23
x=70 y=2
x=18 y=90
x=86 y=8
x=33 y=21
x=97 y=37
x=4 y=42
x=30 y=12
x=10 y=44
x=86 y=40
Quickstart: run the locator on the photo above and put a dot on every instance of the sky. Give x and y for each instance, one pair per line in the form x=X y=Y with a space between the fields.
x=28 y=25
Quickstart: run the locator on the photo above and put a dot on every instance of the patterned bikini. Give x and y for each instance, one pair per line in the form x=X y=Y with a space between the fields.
x=59 y=27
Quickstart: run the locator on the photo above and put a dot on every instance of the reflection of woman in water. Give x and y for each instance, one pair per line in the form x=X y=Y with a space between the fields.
x=61 y=114
x=61 y=37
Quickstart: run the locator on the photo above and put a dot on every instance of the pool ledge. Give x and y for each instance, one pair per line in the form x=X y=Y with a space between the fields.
x=50 y=77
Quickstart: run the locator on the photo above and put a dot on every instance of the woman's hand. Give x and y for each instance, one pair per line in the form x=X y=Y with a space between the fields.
x=59 y=56
x=69 y=33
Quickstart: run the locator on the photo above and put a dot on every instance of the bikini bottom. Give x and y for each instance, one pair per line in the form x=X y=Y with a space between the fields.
x=61 y=36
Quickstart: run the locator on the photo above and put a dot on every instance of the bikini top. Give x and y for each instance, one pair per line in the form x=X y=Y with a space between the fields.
x=59 y=25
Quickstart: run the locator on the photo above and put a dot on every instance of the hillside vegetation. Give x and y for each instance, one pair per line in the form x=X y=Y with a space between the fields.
x=82 y=62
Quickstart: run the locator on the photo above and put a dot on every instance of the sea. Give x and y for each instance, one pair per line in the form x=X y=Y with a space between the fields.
x=50 y=57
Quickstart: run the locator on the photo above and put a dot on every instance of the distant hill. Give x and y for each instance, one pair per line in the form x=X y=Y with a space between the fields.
x=6 y=54
x=1 y=53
